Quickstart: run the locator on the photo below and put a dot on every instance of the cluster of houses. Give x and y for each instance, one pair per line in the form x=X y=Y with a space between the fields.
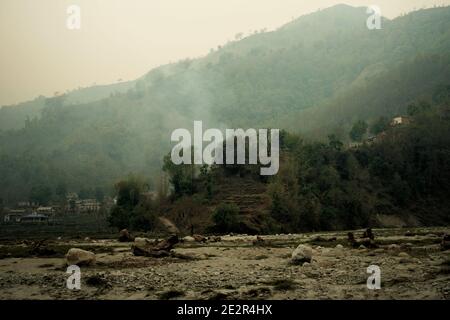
x=31 y=212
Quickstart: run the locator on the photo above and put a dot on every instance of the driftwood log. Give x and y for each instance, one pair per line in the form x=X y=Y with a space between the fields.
x=367 y=240
x=158 y=250
x=39 y=248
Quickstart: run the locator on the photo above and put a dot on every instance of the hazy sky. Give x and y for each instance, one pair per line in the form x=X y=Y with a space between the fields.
x=123 y=39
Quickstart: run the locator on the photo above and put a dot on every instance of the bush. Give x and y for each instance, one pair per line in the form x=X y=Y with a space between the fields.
x=143 y=221
x=226 y=218
x=133 y=211
x=119 y=218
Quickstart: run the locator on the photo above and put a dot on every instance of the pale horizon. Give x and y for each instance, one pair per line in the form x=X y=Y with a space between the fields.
x=125 y=39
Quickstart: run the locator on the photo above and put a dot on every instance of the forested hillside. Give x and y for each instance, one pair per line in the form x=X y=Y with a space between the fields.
x=315 y=76
x=403 y=176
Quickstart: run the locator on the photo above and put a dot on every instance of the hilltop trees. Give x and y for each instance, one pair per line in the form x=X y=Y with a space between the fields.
x=132 y=210
x=358 y=130
x=181 y=177
x=379 y=125
x=324 y=186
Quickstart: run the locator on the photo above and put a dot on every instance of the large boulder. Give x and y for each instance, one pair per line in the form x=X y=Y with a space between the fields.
x=188 y=239
x=80 y=257
x=169 y=225
x=302 y=254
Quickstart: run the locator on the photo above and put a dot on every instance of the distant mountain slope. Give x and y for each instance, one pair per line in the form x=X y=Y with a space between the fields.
x=14 y=116
x=315 y=75
x=387 y=94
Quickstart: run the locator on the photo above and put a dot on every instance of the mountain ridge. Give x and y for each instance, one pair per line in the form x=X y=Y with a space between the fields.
x=322 y=81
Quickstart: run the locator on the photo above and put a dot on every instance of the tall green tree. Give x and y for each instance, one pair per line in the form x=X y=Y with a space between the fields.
x=358 y=130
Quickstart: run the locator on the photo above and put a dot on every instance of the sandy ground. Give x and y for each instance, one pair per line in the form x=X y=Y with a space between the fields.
x=236 y=268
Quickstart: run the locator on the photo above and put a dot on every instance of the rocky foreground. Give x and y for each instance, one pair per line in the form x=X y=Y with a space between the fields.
x=413 y=265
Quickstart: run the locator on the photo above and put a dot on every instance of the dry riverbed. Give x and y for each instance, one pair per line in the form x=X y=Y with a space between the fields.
x=412 y=267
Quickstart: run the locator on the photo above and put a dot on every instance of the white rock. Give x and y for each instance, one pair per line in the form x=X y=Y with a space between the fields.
x=80 y=257
x=189 y=239
x=302 y=253
x=339 y=246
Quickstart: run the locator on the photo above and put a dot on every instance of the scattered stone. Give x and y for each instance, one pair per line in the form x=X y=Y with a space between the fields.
x=125 y=236
x=339 y=246
x=87 y=239
x=367 y=242
x=188 y=239
x=80 y=257
x=301 y=254
x=409 y=234
x=362 y=247
x=306 y=264
x=403 y=255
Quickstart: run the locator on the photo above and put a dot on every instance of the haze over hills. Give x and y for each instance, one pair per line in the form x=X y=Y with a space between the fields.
x=315 y=76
